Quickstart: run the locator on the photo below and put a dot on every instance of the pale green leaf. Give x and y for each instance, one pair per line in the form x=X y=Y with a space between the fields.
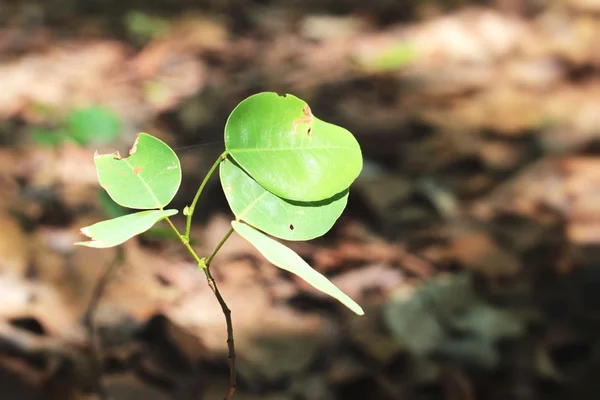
x=285 y=258
x=115 y=231
x=149 y=178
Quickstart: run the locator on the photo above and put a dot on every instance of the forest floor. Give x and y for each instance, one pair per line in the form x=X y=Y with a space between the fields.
x=471 y=237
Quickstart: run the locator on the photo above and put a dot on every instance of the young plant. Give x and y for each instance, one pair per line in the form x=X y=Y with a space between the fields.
x=285 y=174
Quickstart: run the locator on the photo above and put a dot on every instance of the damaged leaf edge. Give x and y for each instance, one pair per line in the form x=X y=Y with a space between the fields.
x=116 y=155
x=94 y=243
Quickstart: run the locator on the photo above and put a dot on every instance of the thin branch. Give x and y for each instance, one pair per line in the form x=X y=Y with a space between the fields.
x=90 y=322
x=230 y=341
x=204 y=265
x=192 y=208
x=216 y=250
x=185 y=241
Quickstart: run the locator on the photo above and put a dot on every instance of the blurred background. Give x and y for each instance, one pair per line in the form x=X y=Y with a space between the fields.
x=471 y=237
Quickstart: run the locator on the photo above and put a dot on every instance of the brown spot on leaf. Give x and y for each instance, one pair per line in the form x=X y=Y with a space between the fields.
x=306 y=111
x=291 y=227
x=308 y=119
x=123 y=173
x=137 y=170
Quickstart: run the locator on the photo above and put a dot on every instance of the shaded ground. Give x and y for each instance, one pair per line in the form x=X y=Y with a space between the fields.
x=470 y=239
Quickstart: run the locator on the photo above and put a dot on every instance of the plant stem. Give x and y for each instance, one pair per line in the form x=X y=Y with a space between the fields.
x=192 y=208
x=90 y=322
x=185 y=241
x=221 y=243
x=204 y=264
x=230 y=341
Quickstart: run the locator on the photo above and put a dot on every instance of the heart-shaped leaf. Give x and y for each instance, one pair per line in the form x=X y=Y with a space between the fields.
x=289 y=151
x=149 y=178
x=285 y=219
x=285 y=258
x=118 y=230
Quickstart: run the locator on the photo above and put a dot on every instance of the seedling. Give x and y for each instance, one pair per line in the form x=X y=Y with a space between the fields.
x=285 y=174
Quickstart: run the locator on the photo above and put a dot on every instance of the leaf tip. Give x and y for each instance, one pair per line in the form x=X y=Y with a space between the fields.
x=86 y=231
x=92 y=243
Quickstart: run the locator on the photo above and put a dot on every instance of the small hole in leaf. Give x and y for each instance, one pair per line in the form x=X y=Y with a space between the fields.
x=291 y=227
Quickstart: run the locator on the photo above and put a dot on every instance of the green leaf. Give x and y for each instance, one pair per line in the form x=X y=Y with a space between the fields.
x=145 y=27
x=118 y=230
x=93 y=125
x=149 y=178
x=47 y=137
x=289 y=151
x=285 y=258
x=286 y=219
x=391 y=58
x=112 y=209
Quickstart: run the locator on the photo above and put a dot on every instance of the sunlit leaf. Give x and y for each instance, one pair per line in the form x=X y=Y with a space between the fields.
x=118 y=230
x=286 y=219
x=149 y=178
x=289 y=151
x=285 y=258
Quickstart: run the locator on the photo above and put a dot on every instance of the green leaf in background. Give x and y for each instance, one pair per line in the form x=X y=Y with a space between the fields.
x=391 y=58
x=427 y=317
x=145 y=27
x=285 y=219
x=47 y=137
x=118 y=230
x=112 y=209
x=289 y=151
x=149 y=178
x=93 y=125
x=285 y=258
